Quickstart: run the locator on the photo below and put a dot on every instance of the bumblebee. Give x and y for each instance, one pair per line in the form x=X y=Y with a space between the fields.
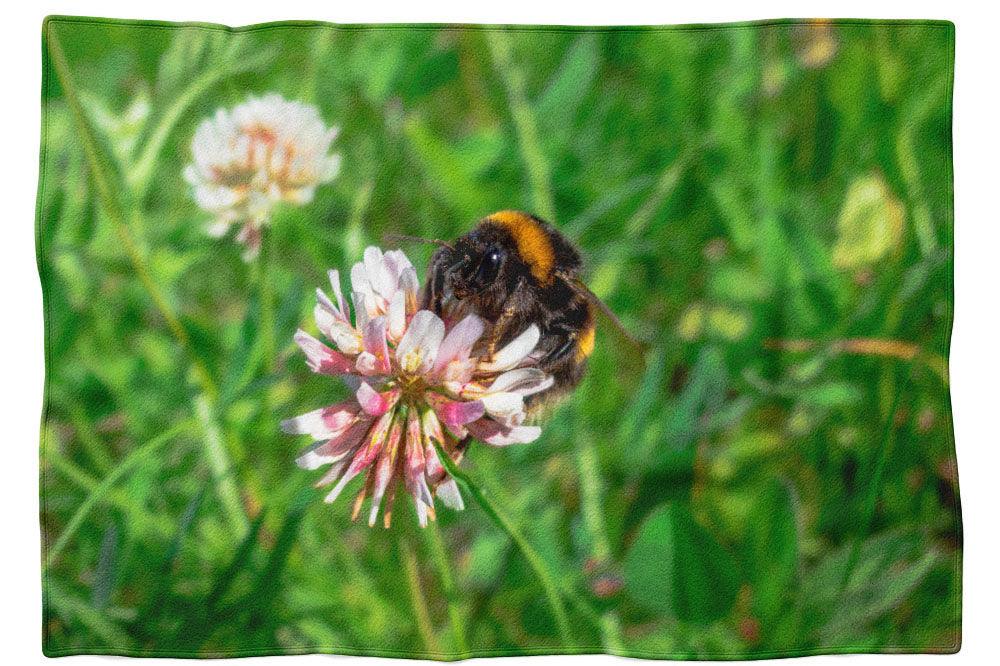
x=513 y=270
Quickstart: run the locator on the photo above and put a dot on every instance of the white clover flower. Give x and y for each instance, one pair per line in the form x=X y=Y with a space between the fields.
x=248 y=159
x=416 y=382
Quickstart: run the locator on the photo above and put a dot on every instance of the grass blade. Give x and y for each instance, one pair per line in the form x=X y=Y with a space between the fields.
x=131 y=462
x=239 y=561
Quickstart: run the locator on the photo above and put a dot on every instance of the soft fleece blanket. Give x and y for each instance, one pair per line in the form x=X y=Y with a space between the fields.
x=594 y=339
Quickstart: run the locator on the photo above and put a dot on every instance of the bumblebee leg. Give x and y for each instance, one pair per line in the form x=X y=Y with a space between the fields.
x=435 y=282
x=559 y=352
x=499 y=328
x=503 y=321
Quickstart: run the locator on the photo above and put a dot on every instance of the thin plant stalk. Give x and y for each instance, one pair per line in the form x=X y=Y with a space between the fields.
x=590 y=498
x=420 y=612
x=131 y=461
x=566 y=584
x=665 y=186
x=119 y=499
x=611 y=633
x=591 y=489
x=885 y=347
x=878 y=473
x=221 y=467
x=455 y=615
x=539 y=172
x=91 y=443
x=908 y=159
x=531 y=556
x=73 y=473
x=264 y=269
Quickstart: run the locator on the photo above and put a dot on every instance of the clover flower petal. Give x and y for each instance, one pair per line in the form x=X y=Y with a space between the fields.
x=513 y=352
x=262 y=152
x=418 y=348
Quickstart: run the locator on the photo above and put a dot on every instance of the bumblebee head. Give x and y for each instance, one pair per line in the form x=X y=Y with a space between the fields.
x=506 y=250
x=513 y=244
x=483 y=262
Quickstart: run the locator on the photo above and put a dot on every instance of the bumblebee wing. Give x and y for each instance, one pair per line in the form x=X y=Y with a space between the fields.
x=602 y=308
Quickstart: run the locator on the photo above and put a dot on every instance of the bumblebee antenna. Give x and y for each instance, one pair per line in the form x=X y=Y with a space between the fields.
x=396 y=238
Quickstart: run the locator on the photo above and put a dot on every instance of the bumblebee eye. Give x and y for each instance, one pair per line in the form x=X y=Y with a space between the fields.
x=489 y=266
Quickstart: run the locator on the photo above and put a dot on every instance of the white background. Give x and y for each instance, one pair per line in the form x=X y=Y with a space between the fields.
x=975 y=367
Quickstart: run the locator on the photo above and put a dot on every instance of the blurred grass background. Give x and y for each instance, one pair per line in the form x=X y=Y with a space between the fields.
x=769 y=205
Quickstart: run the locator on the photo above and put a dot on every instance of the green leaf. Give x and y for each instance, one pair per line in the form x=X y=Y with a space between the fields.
x=647 y=397
x=870 y=225
x=676 y=567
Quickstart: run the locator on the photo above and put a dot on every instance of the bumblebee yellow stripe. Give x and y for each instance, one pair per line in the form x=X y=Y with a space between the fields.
x=585 y=342
x=532 y=242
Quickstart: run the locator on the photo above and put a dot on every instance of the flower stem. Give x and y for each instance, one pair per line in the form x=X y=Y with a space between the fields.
x=422 y=615
x=95 y=449
x=900 y=381
x=611 y=633
x=505 y=523
x=436 y=545
x=265 y=273
x=907 y=157
x=665 y=186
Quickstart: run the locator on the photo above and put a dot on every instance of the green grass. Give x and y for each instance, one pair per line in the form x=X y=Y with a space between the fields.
x=768 y=206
